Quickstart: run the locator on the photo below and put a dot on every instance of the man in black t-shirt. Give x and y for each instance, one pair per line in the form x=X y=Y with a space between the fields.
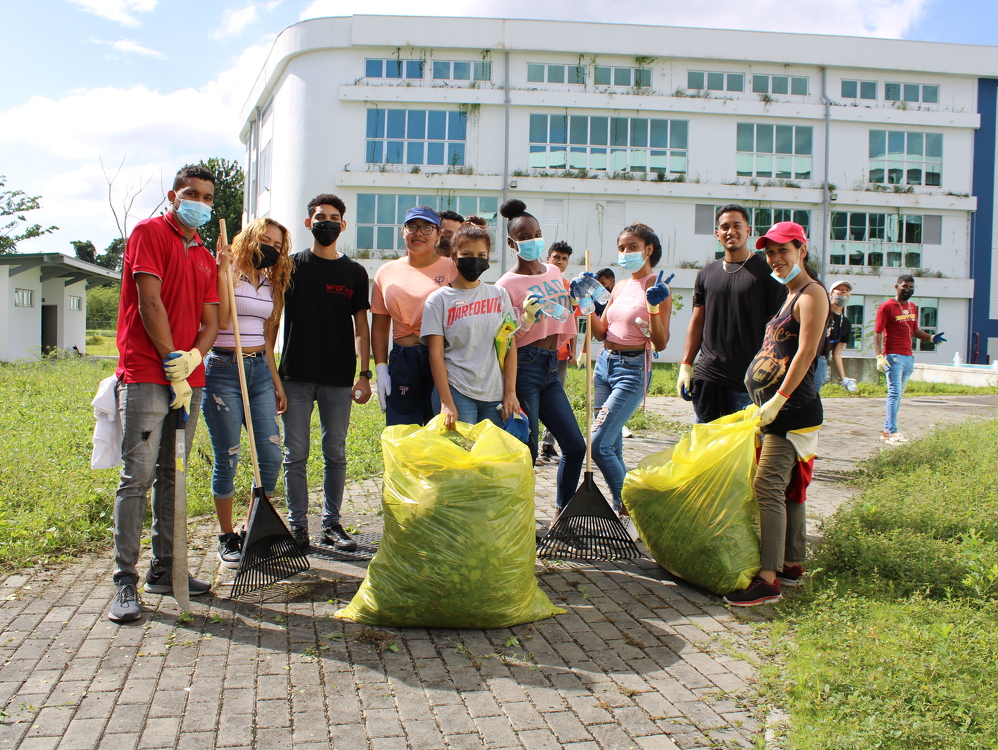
x=733 y=299
x=325 y=328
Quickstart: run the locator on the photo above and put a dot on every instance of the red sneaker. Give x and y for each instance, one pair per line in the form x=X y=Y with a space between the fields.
x=758 y=592
x=791 y=575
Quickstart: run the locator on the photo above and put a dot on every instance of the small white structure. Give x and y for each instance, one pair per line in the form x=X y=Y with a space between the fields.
x=44 y=303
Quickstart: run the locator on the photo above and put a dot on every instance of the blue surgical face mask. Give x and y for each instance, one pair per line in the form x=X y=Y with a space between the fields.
x=193 y=214
x=631 y=261
x=790 y=276
x=530 y=249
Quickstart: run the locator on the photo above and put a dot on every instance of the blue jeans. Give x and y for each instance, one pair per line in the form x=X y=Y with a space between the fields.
x=618 y=388
x=334 y=418
x=820 y=373
x=222 y=407
x=471 y=410
x=410 y=401
x=542 y=397
x=147 y=456
x=902 y=365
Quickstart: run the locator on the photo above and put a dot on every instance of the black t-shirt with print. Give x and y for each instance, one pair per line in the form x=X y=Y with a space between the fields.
x=839 y=331
x=319 y=307
x=737 y=307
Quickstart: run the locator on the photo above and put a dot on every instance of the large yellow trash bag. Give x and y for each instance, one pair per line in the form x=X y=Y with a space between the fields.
x=459 y=546
x=694 y=508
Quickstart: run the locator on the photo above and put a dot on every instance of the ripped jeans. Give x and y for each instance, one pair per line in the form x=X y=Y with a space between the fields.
x=222 y=407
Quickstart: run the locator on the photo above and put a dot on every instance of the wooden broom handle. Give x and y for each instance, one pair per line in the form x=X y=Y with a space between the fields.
x=589 y=392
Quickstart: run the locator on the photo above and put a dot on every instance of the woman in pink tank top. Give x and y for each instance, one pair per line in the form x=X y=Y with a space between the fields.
x=635 y=321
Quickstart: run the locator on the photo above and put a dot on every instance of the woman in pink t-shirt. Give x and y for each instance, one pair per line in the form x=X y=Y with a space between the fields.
x=635 y=320
x=531 y=283
x=405 y=382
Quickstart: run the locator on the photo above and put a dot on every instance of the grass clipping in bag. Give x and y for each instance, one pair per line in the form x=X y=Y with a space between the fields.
x=458 y=548
x=694 y=508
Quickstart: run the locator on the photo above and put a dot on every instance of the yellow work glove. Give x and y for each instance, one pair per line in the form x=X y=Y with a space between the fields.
x=181 y=365
x=768 y=411
x=685 y=381
x=181 y=393
x=531 y=311
x=882 y=364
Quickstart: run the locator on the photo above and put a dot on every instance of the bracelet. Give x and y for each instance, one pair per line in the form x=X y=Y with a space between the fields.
x=686 y=363
x=651 y=313
x=784 y=395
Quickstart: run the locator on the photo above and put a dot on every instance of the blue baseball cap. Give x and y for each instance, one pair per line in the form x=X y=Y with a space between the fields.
x=422 y=212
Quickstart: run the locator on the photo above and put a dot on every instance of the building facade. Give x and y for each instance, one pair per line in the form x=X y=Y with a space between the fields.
x=884 y=150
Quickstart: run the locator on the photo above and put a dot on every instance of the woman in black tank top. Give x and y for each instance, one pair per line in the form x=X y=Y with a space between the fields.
x=780 y=380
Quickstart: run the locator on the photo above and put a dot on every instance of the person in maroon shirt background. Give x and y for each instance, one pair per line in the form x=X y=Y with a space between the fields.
x=897 y=323
x=168 y=316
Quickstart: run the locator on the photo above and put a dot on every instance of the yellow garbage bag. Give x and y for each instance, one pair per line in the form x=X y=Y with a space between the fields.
x=459 y=547
x=694 y=507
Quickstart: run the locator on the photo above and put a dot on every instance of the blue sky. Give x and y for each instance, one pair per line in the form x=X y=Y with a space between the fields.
x=154 y=84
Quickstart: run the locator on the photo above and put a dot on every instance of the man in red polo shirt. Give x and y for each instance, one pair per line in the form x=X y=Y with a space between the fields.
x=167 y=316
x=897 y=322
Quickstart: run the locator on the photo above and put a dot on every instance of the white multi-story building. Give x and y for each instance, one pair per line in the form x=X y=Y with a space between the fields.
x=883 y=150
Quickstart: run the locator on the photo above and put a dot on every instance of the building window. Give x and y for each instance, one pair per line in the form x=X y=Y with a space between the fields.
x=900 y=158
x=75 y=303
x=636 y=77
x=462 y=71
x=266 y=166
x=928 y=321
x=24 y=298
x=911 y=92
x=877 y=239
x=854 y=312
x=709 y=80
x=416 y=136
x=761 y=219
x=795 y=85
x=380 y=217
x=859 y=90
x=611 y=144
x=781 y=152
x=542 y=73
x=393 y=68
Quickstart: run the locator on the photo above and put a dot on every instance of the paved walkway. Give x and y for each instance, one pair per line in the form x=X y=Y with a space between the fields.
x=638 y=662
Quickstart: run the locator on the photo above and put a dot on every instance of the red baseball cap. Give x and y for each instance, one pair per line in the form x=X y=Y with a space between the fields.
x=781 y=233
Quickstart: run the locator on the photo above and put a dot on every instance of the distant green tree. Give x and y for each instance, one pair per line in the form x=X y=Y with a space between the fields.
x=16 y=203
x=102 y=306
x=111 y=257
x=228 y=205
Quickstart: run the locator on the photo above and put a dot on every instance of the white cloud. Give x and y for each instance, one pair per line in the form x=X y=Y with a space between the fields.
x=878 y=18
x=234 y=20
x=128 y=47
x=120 y=11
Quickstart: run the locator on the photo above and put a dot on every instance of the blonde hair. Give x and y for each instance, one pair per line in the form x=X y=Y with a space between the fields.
x=246 y=254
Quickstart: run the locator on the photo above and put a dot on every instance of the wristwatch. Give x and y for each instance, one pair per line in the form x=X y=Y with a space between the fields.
x=366 y=374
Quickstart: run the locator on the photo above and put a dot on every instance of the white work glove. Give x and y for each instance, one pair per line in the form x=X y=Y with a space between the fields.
x=849 y=384
x=531 y=311
x=685 y=381
x=882 y=364
x=384 y=385
x=181 y=365
x=768 y=411
x=181 y=393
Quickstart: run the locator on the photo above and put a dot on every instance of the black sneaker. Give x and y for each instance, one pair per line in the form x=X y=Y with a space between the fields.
x=758 y=592
x=549 y=452
x=230 y=550
x=338 y=538
x=300 y=533
x=161 y=582
x=791 y=575
x=125 y=605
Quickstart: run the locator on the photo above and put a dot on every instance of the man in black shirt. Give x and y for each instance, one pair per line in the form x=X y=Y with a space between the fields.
x=733 y=299
x=325 y=328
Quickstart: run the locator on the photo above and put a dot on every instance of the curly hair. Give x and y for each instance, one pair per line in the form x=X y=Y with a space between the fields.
x=472 y=230
x=246 y=254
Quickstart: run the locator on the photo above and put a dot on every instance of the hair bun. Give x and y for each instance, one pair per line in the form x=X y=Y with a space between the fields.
x=478 y=221
x=512 y=208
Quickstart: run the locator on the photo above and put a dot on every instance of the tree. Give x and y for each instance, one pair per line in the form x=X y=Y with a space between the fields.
x=122 y=212
x=16 y=203
x=229 y=181
x=111 y=257
x=102 y=307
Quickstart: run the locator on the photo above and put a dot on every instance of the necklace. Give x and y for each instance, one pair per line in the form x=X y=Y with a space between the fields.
x=741 y=265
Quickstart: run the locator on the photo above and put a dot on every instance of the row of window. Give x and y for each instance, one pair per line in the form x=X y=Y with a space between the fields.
x=898 y=157
x=893 y=92
x=26 y=298
x=703 y=80
x=416 y=137
x=380 y=217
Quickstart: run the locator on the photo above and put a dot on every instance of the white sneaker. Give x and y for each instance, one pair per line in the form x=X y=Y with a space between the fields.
x=626 y=432
x=896 y=439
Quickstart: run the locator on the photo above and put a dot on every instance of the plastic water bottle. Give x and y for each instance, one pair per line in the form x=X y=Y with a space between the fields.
x=587 y=285
x=643 y=326
x=586 y=305
x=957 y=360
x=552 y=309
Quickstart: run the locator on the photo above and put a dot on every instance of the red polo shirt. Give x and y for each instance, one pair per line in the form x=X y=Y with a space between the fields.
x=897 y=321
x=188 y=272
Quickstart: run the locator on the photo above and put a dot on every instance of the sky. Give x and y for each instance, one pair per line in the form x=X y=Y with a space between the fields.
x=130 y=90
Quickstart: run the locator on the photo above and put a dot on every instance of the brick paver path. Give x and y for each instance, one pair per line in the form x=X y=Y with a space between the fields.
x=639 y=661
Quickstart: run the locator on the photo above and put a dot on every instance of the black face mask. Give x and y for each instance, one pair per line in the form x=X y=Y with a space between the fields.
x=326 y=232
x=444 y=242
x=472 y=268
x=268 y=257
x=905 y=294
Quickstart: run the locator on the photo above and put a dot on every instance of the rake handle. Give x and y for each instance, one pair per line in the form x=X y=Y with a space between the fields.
x=589 y=391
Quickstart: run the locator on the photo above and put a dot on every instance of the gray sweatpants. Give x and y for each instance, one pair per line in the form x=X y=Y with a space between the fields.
x=783 y=521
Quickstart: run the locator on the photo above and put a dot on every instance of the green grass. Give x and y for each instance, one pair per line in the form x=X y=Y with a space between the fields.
x=102 y=343
x=892 y=644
